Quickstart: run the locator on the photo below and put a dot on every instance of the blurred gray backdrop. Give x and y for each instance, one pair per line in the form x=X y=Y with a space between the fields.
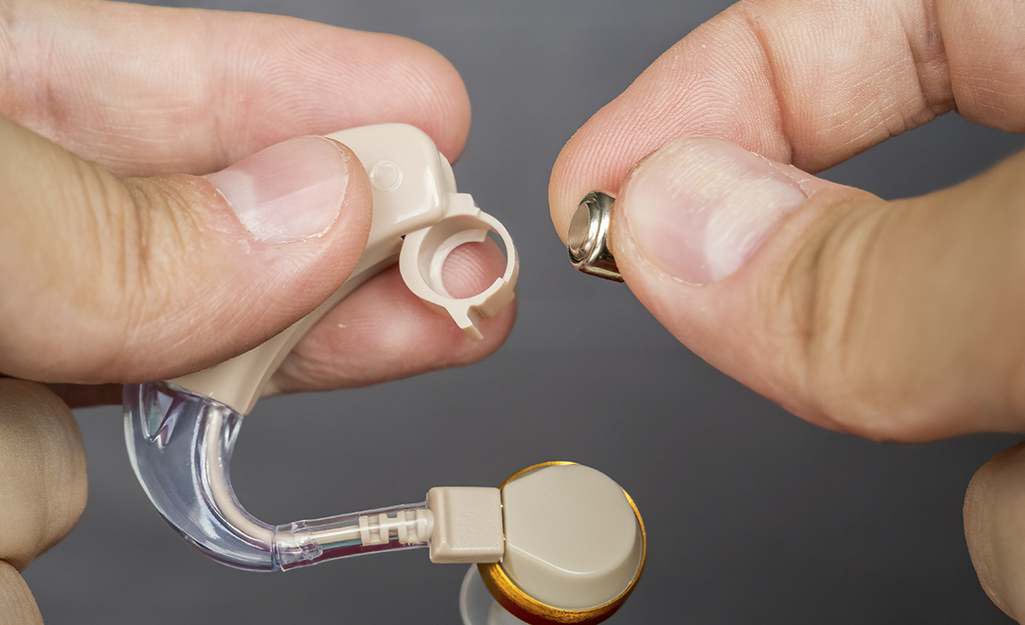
x=753 y=516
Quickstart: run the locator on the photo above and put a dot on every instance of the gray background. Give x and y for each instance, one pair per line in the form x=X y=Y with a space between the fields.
x=753 y=515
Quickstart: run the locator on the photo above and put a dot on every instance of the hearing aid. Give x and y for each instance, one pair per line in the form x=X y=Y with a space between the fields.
x=556 y=543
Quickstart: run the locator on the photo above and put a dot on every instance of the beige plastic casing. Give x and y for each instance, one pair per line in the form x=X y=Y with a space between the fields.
x=573 y=540
x=418 y=219
x=467 y=524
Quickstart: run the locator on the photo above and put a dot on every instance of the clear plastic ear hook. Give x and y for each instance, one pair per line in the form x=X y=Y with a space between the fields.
x=181 y=433
x=180 y=444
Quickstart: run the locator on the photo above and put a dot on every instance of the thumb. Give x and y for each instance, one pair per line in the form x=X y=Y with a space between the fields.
x=43 y=488
x=994 y=512
x=892 y=320
x=112 y=280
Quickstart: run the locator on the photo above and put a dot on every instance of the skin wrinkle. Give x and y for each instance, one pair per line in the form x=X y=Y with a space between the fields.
x=853 y=311
x=976 y=60
x=691 y=103
x=144 y=272
x=150 y=271
x=887 y=117
x=141 y=274
x=194 y=94
x=47 y=269
x=226 y=97
x=809 y=123
x=426 y=84
x=390 y=68
x=782 y=122
x=928 y=52
x=813 y=293
x=717 y=116
x=44 y=107
x=264 y=75
x=845 y=321
x=101 y=218
x=910 y=110
x=89 y=222
x=9 y=61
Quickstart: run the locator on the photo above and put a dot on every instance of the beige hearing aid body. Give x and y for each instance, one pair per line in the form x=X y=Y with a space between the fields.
x=419 y=219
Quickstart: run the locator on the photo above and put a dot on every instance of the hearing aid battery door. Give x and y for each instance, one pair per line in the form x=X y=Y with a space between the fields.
x=575 y=548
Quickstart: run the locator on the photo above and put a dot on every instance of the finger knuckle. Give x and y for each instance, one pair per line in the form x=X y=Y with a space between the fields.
x=830 y=290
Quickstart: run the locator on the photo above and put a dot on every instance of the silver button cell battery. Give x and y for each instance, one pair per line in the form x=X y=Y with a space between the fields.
x=587 y=241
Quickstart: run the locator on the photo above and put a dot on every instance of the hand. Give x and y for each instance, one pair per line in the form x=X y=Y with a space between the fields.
x=891 y=320
x=42 y=486
x=118 y=263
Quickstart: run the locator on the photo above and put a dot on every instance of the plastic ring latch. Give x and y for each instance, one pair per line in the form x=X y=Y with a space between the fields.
x=423 y=255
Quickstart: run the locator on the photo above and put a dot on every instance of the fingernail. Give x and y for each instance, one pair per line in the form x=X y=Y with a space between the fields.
x=699 y=207
x=289 y=191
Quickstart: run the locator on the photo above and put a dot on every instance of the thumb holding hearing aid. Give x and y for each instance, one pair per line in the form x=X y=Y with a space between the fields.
x=890 y=320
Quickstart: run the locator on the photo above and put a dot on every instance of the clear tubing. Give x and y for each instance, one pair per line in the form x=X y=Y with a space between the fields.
x=180 y=446
x=309 y=542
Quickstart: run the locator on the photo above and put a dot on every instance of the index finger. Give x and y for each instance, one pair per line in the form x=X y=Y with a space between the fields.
x=150 y=90
x=809 y=83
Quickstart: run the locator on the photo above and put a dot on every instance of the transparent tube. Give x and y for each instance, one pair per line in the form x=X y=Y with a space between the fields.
x=180 y=446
